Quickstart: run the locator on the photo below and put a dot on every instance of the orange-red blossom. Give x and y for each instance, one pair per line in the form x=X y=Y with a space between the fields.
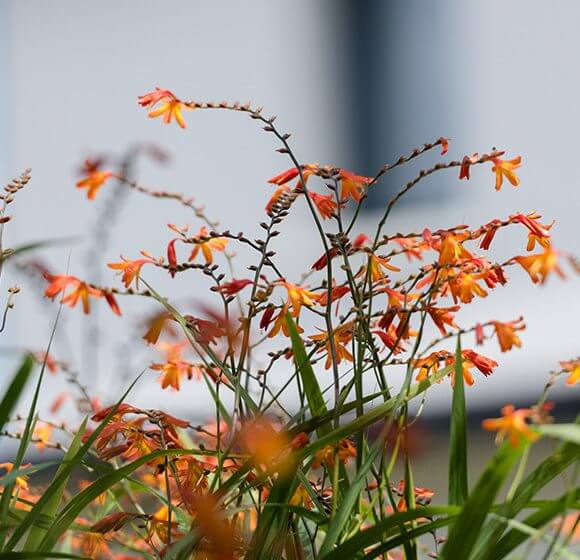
x=93 y=182
x=171 y=107
x=573 y=368
x=341 y=336
x=513 y=425
x=207 y=245
x=506 y=168
x=131 y=269
x=470 y=360
x=80 y=291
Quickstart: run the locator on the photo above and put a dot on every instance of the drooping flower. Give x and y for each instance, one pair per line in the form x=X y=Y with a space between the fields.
x=278 y=193
x=93 y=182
x=506 y=333
x=538 y=233
x=280 y=323
x=233 y=287
x=442 y=316
x=464 y=286
x=353 y=186
x=377 y=266
x=452 y=249
x=540 y=265
x=466 y=164
x=444 y=143
x=324 y=203
x=131 y=269
x=207 y=244
x=80 y=291
x=391 y=339
x=506 y=168
x=513 y=424
x=573 y=368
x=171 y=107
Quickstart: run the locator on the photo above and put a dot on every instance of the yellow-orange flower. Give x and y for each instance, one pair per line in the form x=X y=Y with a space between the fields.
x=573 y=368
x=93 y=182
x=353 y=186
x=21 y=481
x=280 y=323
x=506 y=334
x=452 y=249
x=325 y=456
x=378 y=265
x=540 y=265
x=170 y=107
x=174 y=368
x=207 y=244
x=299 y=296
x=130 y=269
x=342 y=335
x=513 y=424
x=506 y=168
x=464 y=287
x=324 y=203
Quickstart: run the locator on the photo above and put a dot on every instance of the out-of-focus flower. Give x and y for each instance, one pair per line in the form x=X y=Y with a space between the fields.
x=540 y=265
x=466 y=164
x=207 y=244
x=444 y=143
x=573 y=368
x=21 y=482
x=506 y=333
x=506 y=168
x=353 y=186
x=513 y=425
x=423 y=496
x=174 y=368
x=42 y=433
x=281 y=190
x=93 y=182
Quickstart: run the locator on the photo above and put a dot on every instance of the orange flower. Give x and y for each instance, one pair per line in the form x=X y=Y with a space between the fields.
x=464 y=287
x=207 y=244
x=325 y=456
x=170 y=107
x=506 y=334
x=432 y=363
x=573 y=368
x=391 y=339
x=506 y=168
x=174 y=368
x=342 y=335
x=539 y=233
x=512 y=424
x=466 y=164
x=471 y=359
x=93 y=182
x=131 y=269
x=452 y=249
x=325 y=204
x=233 y=287
x=540 y=265
x=285 y=177
x=279 y=323
x=298 y=296
x=278 y=193
x=353 y=186
x=443 y=316
x=378 y=265
x=21 y=482
x=82 y=292
x=43 y=433
x=444 y=143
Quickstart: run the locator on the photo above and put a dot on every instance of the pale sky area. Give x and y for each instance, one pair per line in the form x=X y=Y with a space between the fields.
x=483 y=74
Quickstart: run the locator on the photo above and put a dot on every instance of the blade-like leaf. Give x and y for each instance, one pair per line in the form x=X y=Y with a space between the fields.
x=36 y=534
x=388 y=526
x=311 y=387
x=565 y=432
x=465 y=530
x=457 y=478
x=12 y=394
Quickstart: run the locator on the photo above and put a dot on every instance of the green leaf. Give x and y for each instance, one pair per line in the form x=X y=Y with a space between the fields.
x=565 y=432
x=545 y=472
x=311 y=387
x=536 y=520
x=12 y=394
x=344 y=512
x=464 y=533
x=268 y=539
x=36 y=534
x=390 y=525
x=457 y=479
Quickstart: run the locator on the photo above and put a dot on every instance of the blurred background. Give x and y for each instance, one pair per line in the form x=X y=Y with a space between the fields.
x=356 y=83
